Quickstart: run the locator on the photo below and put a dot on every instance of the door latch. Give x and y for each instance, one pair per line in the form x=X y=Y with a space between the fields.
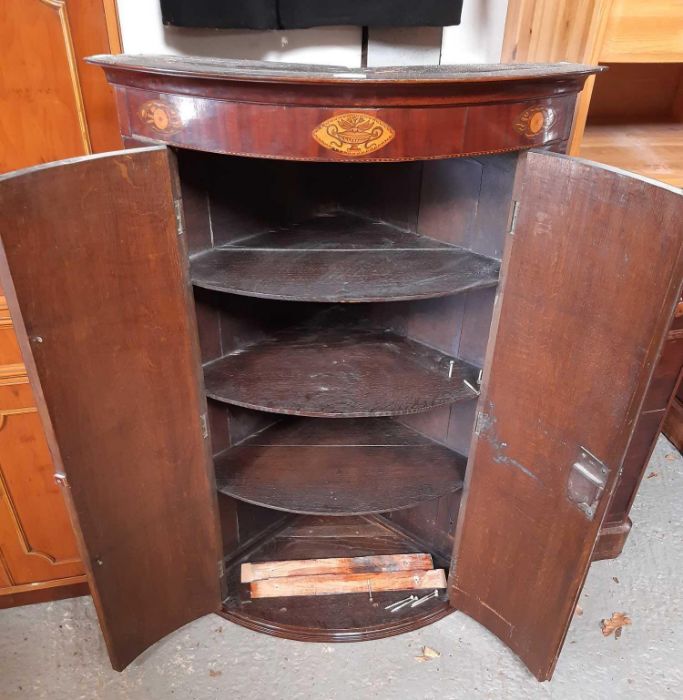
x=587 y=481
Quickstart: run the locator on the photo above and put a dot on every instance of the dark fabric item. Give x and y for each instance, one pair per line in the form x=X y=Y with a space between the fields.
x=296 y=14
x=221 y=14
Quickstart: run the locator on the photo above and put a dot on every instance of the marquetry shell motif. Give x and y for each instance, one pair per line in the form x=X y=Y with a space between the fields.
x=533 y=120
x=353 y=134
x=162 y=117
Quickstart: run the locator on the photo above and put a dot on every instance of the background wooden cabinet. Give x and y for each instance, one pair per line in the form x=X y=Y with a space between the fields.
x=630 y=117
x=52 y=105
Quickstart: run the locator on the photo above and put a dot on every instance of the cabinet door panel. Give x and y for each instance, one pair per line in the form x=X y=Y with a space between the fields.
x=590 y=279
x=95 y=275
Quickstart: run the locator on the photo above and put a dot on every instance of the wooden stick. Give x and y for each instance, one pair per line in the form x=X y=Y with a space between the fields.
x=336 y=565
x=329 y=584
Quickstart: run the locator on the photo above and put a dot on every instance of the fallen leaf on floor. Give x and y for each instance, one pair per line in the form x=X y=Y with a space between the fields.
x=213 y=673
x=670 y=457
x=427 y=655
x=615 y=624
x=651 y=475
x=579 y=610
x=615 y=579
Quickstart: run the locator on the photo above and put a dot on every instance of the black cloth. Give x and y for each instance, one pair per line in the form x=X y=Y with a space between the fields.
x=298 y=14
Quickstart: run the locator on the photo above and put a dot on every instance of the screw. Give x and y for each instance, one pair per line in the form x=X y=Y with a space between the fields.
x=409 y=599
x=424 y=599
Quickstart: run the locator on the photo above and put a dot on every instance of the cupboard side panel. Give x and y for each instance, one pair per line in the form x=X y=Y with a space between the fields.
x=116 y=369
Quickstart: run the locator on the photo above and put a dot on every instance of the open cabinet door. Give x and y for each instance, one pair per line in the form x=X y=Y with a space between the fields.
x=591 y=275
x=95 y=274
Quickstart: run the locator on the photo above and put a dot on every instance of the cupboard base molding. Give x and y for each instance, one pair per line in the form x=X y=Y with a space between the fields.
x=31 y=593
x=612 y=539
x=440 y=609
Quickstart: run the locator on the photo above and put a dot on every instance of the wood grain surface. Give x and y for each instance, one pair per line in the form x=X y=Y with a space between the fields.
x=543 y=399
x=332 y=584
x=338 y=467
x=350 y=617
x=335 y=565
x=342 y=258
x=294 y=112
x=101 y=362
x=339 y=371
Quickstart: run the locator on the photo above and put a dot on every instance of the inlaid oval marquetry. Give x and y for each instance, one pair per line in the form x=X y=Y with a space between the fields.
x=162 y=117
x=353 y=134
x=533 y=120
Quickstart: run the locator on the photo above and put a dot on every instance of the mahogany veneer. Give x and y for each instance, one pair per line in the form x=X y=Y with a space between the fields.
x=230 y=278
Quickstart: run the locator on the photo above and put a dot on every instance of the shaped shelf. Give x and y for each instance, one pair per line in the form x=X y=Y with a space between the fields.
x=338 y=467
x=342 y=258
x=350 y=617
x=339 y=372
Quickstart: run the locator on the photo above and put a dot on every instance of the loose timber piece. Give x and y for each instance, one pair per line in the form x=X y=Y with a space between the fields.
x=338 y=467
x=256 y=571
x=339 y=372
x=92 y=304
x=342 y=258
x=563 y=385
x=331 y=584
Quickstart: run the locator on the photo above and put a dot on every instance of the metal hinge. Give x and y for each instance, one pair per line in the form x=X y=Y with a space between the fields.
x=513 y=217
x=178 y=206
x=479 y=422
x=205 y=426
x=587 y=482
x=60 y=479
x=221 y=568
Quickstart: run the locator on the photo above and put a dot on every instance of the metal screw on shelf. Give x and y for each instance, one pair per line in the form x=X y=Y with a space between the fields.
x=403 y=605
x=469 y=385
x=409 y=599
x=424 y=599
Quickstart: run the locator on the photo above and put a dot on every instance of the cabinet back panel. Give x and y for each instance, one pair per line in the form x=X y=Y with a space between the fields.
x=466 y=201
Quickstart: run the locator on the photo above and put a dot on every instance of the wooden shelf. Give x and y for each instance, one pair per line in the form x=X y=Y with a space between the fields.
x=330 y=618
x=342 y=258
x=338 y=467
x=339 y=372
x=651 y=149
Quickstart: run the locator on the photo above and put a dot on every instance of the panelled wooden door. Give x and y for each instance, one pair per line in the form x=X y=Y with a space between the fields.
x=115 y=368
x=590 y=280
x=52 y=105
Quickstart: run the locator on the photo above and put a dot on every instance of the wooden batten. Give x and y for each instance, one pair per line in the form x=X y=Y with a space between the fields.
x=335 y=565
x=330 y=584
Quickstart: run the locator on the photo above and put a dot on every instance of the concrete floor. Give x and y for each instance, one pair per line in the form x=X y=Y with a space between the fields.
x=55 y=650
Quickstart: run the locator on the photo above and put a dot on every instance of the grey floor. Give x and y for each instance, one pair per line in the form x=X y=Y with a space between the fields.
x=55 y=650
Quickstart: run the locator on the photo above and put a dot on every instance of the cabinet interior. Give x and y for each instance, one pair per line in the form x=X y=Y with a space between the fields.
x=343 y=313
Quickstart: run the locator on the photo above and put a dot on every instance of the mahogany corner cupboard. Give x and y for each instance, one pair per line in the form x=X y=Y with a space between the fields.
x=325 y=312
